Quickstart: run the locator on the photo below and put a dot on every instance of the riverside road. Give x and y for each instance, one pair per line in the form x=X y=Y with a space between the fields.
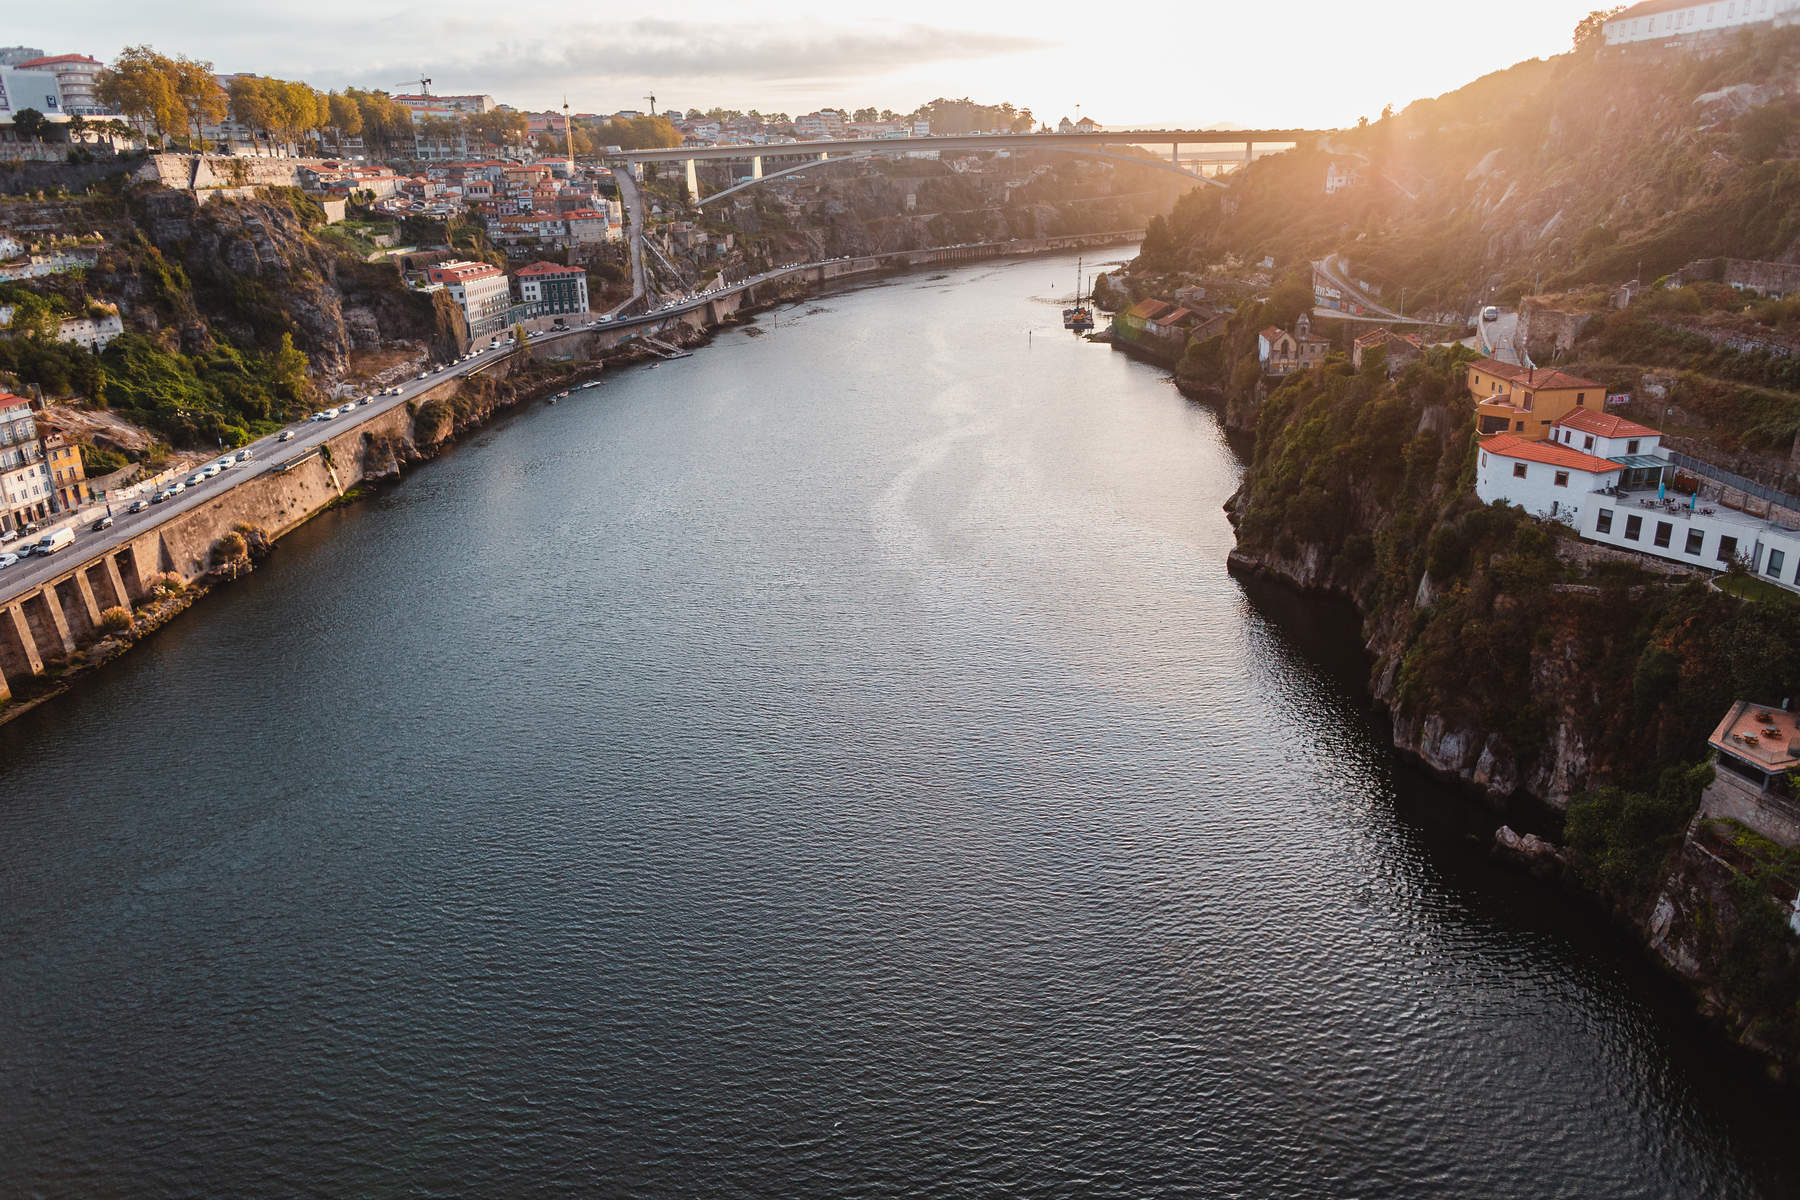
x=271 y=454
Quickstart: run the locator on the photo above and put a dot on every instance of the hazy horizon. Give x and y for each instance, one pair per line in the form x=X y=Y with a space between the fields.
x=1212 y=65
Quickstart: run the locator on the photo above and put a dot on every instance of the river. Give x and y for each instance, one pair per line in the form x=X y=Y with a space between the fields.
x=837 y=763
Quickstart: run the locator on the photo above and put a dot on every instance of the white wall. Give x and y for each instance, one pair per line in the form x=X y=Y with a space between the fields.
x=1710 y=16
x=1605 y=447
x=1754 y=539
x=1537 y=492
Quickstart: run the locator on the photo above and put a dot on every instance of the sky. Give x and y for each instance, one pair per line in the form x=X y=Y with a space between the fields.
x=1301 y=64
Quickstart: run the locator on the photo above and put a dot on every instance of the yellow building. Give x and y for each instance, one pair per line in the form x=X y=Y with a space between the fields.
x=1524 y=401
x=63 y=459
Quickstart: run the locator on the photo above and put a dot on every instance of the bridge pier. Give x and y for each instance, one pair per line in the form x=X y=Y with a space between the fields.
x=693 y=181
x=756 y=166
x=1175 y=154
x=1249 y=153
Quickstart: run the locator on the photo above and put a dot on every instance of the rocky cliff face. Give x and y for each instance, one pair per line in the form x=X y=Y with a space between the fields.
x=1510 y=658
x=256 y=271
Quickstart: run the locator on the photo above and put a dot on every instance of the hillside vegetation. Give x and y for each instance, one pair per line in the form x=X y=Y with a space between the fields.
x=1585 y=168
x=237 y=312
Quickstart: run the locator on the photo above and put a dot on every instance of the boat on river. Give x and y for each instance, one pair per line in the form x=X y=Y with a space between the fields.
x=1081 y=317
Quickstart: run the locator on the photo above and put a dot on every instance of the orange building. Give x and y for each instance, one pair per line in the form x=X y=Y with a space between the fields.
x=1525 y=401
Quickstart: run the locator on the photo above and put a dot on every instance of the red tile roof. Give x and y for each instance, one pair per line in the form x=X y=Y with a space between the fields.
x=1536 y=380
x=545 y=268
x=1607 y=425
x=1508 y=446
x=1272 y=332
x=1149 y=310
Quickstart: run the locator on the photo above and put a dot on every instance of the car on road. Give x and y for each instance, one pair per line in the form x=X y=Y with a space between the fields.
x=50 y=543
x=226 y=463
x=196 y=479
x=424 y=374
x=1490 y=313
x=28 y=528
x=103 y=523
x=138 y=506
x=287 y=435
x=7 y=560
x=244 y=456
x=11 y=535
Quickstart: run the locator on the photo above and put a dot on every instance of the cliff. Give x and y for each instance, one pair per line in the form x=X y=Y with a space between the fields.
x=1517 y=660
x=1578 y=169
x=1511 y=655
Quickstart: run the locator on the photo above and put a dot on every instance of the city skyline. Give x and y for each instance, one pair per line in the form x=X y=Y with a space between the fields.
x=1213 y=67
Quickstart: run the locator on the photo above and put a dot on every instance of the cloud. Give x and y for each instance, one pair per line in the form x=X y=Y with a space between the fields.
x=781 y=57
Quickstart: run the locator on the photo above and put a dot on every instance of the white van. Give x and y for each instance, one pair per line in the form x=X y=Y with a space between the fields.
x=50 y=543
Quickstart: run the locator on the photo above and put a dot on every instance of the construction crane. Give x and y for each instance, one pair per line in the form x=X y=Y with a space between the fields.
x=424 y=85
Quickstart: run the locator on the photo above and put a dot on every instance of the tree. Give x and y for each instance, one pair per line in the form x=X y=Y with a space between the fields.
x=201 y=98
x=344 y=117
x=250 y=105
x=30 y=124
x=1590 y=31
x=865 y=116
x=141 y=84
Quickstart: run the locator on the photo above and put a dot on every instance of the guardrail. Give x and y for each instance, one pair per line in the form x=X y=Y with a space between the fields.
x=1749 y=487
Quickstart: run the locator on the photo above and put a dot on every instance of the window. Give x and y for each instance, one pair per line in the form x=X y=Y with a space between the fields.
x=1727 y=549
x=1664 y=531
x=1518 y=470
x=1603 y=524
x=1519 y=427
x=1631 y=446
x=1484 y=458
x=1695 y=540
x=1633 y=527
x=1587 y=443
x=1776 y=561
x=1580 y=399
x=1562 y=479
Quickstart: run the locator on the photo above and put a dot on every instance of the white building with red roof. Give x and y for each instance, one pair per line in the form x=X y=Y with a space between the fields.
x=1674 y=21
x=1546 y=479
x=552 y=288
x=481 y=290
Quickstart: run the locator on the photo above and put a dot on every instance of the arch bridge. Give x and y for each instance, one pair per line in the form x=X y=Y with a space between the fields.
x=1094 y=145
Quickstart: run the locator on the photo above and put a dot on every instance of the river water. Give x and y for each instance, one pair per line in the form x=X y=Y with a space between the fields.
x=837 y=763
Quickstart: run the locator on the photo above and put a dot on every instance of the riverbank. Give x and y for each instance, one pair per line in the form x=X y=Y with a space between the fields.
x=59 y=633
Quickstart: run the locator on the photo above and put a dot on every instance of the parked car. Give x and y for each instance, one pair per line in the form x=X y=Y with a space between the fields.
x=11 y=535
x=29 y=527
x=7 y=560
x=244 y=456
x=196 y=479
x=287 y=435
x=424 y=374
x=138 y=506
x=103 y=523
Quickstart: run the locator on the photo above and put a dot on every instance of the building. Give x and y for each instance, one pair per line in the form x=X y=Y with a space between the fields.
x=68 y=478
x=1684 y=22
x=1340 y=178
x=21 y=88
x=550 y=289
x=1760 y=744
x=1280 y=352
x=1526 y=401
x=12 y=56
x=1546 y=479
x=40 y=471
x=75 y=75
x=445 y=107
x=1400 y=348
x=479 y=289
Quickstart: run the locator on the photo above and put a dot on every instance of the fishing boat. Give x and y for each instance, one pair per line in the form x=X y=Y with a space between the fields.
x=1081 y=317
